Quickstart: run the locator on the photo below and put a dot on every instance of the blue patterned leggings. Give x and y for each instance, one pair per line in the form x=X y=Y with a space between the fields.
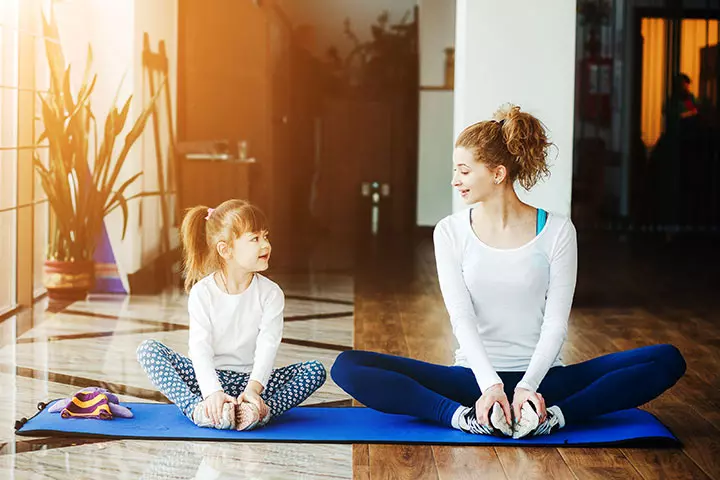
x=173 y=374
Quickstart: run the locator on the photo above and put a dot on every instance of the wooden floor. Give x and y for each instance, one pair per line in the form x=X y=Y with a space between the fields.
x=399 y=311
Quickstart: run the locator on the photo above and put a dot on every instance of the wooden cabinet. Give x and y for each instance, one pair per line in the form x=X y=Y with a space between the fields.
x=238 y=81
x=223 y=96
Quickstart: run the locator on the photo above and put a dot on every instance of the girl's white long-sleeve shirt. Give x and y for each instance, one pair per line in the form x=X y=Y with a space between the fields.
x=238 y=332
x=509 y=308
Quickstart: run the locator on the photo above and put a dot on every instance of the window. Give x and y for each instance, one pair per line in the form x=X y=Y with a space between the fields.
x=696 y=35
x=23 y=73
x=8 y=152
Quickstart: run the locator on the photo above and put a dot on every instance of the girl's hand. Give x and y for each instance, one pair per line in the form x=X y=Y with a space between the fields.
x=252 y=395
x=214 y=404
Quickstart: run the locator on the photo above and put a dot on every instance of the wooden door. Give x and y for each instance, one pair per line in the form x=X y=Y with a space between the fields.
x=364 y=151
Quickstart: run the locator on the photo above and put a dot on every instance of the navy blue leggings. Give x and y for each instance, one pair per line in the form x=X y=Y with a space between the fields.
x=433 y=392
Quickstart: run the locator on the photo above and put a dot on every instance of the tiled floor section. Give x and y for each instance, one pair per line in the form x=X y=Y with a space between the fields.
x=51 y=355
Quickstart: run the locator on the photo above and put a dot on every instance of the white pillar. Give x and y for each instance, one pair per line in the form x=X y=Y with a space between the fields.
x=435 y=140
x=523 y=52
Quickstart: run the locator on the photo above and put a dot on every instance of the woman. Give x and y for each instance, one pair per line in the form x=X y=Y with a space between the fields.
x=507 y=274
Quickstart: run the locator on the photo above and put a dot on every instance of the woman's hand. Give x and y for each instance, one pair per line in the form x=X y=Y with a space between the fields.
x=523 y=395
x=214 y=404
x=252 y=395
x=491 y=396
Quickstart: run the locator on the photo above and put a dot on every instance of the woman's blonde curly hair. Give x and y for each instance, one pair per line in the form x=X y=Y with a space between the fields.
x=514 y=139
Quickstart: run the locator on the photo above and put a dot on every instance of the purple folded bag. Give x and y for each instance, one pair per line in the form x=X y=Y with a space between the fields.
x=115 y=408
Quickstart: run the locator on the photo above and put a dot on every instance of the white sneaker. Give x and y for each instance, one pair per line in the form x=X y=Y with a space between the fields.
x=498 y=420
x=247 y=416
x=529 y=421
x=227 y=418
x=498 y=424
x=551 y=424
x=265 y=420
x=529 y=424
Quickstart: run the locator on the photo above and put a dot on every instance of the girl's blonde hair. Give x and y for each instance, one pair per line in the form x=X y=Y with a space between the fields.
x=514 y=139
x=202 y=229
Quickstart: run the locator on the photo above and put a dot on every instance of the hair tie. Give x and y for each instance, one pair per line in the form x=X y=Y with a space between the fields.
x=210 y=212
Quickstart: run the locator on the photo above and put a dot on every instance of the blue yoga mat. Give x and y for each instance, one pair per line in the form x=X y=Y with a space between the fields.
x=345 y=425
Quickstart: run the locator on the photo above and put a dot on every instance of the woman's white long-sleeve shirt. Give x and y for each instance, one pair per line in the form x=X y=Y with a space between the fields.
x=509 y=308
x=239 y=332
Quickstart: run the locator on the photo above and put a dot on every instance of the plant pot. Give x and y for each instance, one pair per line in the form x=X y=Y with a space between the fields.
x=69 y=281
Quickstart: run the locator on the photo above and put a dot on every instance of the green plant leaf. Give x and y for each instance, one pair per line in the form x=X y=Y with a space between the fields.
x=131 y=138
x=124 y=206
x=67 y=95
x=80 y=183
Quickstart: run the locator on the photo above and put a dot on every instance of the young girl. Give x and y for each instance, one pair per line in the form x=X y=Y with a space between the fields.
x=236 y=324
x=507 y=274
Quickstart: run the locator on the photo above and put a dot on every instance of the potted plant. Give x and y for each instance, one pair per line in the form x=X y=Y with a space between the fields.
x=383 y=65
x=81 y=176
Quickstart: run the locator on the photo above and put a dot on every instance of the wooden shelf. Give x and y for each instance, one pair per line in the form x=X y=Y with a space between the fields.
x=436 y=88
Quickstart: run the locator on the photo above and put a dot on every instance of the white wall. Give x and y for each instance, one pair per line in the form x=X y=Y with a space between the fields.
x=159 y=19
x=114 y=28
x=106 y=25
x=521 y=52
x=437 y=32
x=328 y=17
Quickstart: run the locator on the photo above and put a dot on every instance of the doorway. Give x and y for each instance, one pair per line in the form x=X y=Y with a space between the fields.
x=675 y=178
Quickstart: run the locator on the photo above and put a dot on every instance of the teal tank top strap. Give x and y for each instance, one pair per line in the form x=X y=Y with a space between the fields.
x=541 y=219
